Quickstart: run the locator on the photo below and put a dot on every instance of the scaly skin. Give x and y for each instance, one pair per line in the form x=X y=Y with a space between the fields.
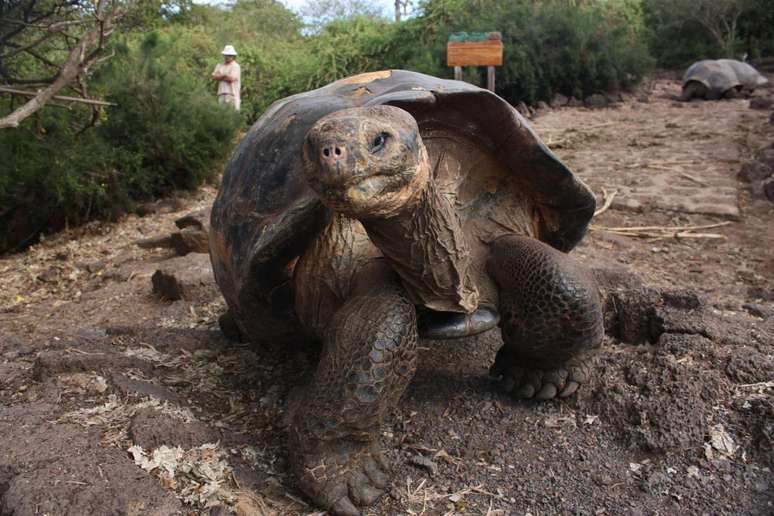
x=369 y=357
x=551 y=319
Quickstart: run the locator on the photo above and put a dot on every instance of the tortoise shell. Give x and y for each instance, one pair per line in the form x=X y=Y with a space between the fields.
x=265 y=215
x=722 y=75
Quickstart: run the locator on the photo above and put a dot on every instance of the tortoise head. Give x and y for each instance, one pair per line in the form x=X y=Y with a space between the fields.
x=366 y=162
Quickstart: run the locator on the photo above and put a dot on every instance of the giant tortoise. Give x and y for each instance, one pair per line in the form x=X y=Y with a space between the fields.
x=391 y=206
x=714 y=79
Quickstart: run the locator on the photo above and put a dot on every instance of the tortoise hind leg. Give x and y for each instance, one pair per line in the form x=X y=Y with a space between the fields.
x=551 y=318
x=368 y=359
x=229 y=327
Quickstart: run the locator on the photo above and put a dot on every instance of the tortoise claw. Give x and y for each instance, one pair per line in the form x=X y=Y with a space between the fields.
x=344 y=481
x=547 y=392
x=523 y=382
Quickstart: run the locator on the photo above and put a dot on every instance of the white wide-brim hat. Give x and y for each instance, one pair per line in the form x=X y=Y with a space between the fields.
x=228 y=50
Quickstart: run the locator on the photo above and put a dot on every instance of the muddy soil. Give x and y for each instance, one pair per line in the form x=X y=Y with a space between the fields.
x=114 y=401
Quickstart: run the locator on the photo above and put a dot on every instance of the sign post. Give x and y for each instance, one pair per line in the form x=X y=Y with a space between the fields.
x=475 y=49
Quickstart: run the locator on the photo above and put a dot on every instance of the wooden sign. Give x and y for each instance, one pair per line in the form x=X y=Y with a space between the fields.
x=474 y=53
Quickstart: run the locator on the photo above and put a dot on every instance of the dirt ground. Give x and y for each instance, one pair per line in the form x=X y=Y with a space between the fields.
x=113 y=401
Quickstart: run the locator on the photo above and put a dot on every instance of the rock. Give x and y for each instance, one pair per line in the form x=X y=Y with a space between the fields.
x=424 y=463
x=542 y=106
x=628 y=305
x=522 y=108
x=13 y=345
x=131 y=387
x=559 y=100
x=760 y=293
x=747 y=365
x=166 y=286
x=771 y=118
x=193 y=236
x=573 y=102
x=595 y=101
x=52 y=363
x=83 y=383
x=681 y=344
x=152 y=243
x=92 y=266
x=12 y=376
x=644 y=99
x=633 y=315
x=197 y=219
x=681 y=299
x=757 y=310
x=753 y=171
x=190 y=240
x=761 y=103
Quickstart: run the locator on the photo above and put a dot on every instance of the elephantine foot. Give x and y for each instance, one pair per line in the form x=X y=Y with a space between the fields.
x=522 y=381
x=342 y=479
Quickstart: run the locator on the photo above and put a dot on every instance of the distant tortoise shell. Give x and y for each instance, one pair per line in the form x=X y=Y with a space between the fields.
x=265 y=215
x=722 y=75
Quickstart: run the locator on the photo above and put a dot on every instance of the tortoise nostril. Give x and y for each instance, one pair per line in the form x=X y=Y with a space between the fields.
x=333 y=152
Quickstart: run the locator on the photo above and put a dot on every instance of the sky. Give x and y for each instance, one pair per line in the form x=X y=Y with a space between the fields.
x=297 y=4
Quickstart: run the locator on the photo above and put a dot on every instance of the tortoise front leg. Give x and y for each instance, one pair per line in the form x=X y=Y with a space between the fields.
x=550 y=317
x=368 y=359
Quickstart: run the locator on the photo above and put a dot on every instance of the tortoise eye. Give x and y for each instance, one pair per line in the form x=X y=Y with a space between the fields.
x=379 y=141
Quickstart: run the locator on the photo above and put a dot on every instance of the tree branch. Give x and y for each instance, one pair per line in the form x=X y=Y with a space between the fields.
x=92 y=102
x=80 y=58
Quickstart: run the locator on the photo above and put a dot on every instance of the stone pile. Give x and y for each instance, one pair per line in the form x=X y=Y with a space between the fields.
x=759 y=173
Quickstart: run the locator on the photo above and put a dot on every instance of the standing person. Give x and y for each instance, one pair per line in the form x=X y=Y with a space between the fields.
x=228 y=75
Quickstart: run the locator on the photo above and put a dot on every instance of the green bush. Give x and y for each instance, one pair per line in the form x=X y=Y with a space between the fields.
x=168 y=116
x=167 y=132
x=677 y=38
x=550 y=47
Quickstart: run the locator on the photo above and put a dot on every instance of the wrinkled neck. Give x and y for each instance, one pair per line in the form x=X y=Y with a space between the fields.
x=424 y=243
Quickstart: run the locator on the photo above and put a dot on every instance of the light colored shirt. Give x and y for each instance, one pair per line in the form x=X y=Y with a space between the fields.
x=233 y=71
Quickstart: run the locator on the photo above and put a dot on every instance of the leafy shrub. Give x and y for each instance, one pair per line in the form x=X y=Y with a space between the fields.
x=166 y=132
x=677 y=38
x=550 y=47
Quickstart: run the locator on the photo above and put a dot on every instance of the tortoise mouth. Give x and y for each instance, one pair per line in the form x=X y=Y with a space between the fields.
x=375 y=195
x=359 y=195
x=373 y=184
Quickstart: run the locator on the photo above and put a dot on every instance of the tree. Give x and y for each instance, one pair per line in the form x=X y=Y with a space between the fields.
x=401 y=6
x=53 y=44
x=318 y=13
x=720 y=18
